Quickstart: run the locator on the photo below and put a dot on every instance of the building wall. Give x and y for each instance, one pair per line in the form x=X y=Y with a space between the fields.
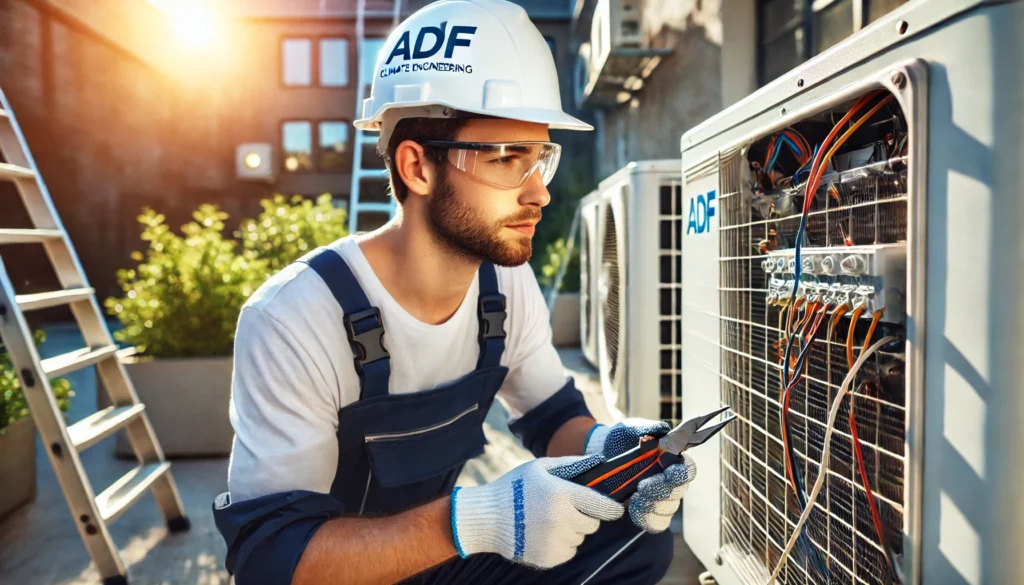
x=111 y=133
x=711 y=66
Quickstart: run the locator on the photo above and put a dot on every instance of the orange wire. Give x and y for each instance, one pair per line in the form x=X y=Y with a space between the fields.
x=849 y=336
x=846 y=135
x=875 y=317
x=812 y=185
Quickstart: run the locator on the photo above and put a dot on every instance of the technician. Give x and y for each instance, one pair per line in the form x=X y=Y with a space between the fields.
x=363 y=372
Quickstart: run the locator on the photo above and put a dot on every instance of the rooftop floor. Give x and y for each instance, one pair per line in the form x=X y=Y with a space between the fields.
x=40 y=545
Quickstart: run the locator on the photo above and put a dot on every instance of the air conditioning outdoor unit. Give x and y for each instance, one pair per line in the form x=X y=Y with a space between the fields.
x=638 y=288
x=918 y=219
x=616 y=24
x=590 y=242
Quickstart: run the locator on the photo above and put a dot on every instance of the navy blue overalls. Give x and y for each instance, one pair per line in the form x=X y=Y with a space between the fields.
x=397 y=451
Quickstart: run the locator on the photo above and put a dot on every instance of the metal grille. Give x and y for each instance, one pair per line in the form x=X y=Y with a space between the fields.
x=610 y=276
x=670 y=303
x=759 y=508
x=585 y=276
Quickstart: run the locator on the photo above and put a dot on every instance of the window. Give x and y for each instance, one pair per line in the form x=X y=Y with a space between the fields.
x=792 y=31
x=333 y=142
x=327 y=150
x=333 y=62
x=297 y=146
x=297 y=62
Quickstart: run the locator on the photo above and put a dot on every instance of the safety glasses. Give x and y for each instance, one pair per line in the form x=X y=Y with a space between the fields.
x=503 y=164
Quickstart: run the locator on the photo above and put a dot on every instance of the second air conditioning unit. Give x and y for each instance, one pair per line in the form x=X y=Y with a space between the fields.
x=590 y=267
x=640 y=221
x=616 y=24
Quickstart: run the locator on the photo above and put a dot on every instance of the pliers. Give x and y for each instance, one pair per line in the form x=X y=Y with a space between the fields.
x=619 y=476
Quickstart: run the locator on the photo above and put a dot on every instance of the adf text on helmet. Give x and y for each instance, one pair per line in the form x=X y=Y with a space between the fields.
x=438 y=38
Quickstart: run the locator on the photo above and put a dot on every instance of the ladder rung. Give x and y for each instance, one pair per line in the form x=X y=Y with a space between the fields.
x=124 y=492
x=13 y=172
x=371 y=207
x=381 y=174
x=76 y=360
x=94 y=428
x=53 y=299
x=8 y=236
x=127 y=352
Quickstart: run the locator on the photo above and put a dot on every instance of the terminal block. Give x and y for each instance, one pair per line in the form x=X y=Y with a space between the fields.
x=868 y=276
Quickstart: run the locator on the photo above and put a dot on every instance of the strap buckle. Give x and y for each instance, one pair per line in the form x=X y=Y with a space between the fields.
x=368 y=344
x=491 y=312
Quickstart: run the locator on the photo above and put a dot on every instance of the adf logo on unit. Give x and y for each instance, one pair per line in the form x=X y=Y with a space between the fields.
x=702 y=209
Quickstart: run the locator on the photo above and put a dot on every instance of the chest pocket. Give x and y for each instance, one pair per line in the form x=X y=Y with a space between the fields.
x=426 y=434
x=406 y=457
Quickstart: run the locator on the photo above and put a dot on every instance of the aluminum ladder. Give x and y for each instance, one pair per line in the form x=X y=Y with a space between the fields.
x=360 y=174
x=92 y=514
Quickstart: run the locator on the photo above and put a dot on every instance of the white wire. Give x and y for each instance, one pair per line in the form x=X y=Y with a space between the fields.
x=823 y=471
x=612 y=558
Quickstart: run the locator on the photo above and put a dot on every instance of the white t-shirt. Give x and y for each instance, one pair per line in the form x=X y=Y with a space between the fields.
x=293 y=368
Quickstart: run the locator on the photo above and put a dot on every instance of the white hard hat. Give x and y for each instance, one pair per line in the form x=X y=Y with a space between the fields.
x=476 y=56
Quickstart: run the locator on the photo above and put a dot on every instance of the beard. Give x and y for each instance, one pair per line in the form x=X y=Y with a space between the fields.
x=465 y=232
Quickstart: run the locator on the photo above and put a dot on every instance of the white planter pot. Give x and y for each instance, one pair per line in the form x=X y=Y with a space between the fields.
x=565 y=319
x=186 y=401
x=17 y=466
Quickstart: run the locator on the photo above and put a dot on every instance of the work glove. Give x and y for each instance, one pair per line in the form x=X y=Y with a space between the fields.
x=531 y=515
x=657 y=498
x=623 y=436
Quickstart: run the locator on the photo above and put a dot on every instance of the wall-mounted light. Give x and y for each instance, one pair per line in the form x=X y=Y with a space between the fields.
x=253 y=161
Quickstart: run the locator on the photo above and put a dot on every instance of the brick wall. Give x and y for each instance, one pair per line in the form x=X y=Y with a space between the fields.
x=110 y=134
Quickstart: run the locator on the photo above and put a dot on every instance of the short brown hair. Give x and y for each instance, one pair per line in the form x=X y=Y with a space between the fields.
x=418 y=130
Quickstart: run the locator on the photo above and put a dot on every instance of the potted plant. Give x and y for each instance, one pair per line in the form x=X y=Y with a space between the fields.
x=18 y=434
x=180 y=309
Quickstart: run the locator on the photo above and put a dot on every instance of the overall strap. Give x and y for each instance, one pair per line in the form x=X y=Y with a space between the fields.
x=363 y=324
x=491 y=314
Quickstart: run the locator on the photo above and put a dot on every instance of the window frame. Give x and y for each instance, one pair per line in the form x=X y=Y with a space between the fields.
x=348 y=60
x=346 y=157
x=315 y=81
x=316 y=150
x=805 y=19
x=281 y=62
x=313 y=146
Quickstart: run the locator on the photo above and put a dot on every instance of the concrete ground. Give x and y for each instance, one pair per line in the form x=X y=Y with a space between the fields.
x=39 y=544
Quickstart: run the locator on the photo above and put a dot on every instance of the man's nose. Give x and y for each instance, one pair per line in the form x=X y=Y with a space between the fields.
x=534 y=192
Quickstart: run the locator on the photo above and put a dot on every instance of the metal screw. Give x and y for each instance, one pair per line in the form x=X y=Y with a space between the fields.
x=446 y=112
x=901 y=27
x=91 y=530
x=56 y=450
x=84 y=518
x=783 y=111
x=718 y=558
x=898 y=79
x=28 y=378
x=799 y=82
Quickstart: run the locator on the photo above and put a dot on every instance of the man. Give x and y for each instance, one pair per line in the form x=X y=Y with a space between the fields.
x=364 y=371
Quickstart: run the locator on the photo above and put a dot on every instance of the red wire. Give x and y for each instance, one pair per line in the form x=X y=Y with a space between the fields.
x=876 y=518
x=809 y=337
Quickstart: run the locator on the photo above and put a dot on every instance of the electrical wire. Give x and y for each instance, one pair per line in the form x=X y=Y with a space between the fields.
x=811 y=188
x=876 y=518
x=823 y=471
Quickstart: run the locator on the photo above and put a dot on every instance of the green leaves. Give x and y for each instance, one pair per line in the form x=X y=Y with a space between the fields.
x=554 y=255
x=184 y=296
x=13 y=406
x=285 y=231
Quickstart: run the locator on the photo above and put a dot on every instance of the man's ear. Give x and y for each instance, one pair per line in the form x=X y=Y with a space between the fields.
x=415 y=169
